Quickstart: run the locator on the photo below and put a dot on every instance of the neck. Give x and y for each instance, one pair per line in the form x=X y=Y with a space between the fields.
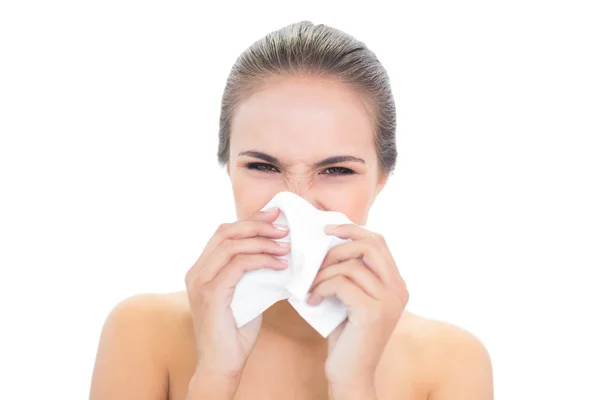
x=282 y=318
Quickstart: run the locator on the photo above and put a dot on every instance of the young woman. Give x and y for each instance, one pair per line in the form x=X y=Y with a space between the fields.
x=306 y=109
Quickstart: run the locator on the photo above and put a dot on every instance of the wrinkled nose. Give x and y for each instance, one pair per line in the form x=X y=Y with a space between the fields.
x=308 y=195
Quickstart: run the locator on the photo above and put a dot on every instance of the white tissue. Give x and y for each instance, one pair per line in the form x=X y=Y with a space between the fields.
x=259 y=289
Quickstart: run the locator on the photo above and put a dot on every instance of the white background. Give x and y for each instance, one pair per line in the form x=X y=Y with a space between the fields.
x=110 y=184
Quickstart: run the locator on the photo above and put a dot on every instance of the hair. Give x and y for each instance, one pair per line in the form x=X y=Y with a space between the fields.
x=305 y=49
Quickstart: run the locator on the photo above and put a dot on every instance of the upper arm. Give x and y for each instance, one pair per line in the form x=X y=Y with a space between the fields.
x=130 y=363
x=465 y=367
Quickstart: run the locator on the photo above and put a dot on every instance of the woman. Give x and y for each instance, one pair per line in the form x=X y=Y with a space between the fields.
x=307 y=109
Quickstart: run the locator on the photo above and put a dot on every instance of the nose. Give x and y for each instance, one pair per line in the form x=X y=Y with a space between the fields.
x=309 y=195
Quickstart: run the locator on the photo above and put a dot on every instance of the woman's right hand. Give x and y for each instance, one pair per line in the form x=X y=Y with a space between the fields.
x=234 y=249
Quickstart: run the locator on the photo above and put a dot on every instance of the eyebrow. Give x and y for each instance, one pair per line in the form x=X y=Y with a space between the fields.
x=328 y=161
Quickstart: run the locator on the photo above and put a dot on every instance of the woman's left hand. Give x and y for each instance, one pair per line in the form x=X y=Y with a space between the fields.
x=363 y=275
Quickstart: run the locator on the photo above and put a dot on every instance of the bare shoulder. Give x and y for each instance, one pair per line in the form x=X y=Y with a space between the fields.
x=454 y=363
x=439 y=337
x=150 y=316
x=135 y=347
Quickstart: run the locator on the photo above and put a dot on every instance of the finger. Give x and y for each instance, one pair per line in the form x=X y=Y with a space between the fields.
x=349 y=231
x=230 y=247
x=370 y=253
x=357 y=272
x=251 y=228
x=233 y=272
x=269 y=214
x=357 y=232
x=239 y=229
x=342 y=288
x=230 y=276
x=260 y=223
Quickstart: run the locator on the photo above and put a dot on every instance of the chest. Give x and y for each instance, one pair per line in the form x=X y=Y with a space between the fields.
x=271 y=374
x=276 y=378
x=302 y=379
x=276 y=371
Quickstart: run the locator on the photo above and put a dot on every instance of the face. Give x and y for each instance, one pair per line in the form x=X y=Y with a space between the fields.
x=308 y=136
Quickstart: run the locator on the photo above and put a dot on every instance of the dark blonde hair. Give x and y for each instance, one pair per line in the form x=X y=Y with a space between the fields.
x=305 y=49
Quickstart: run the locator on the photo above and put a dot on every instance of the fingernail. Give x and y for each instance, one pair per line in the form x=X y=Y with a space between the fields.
x=270 y=210
x=281 y=227
x=284 y=244
x=314 y=299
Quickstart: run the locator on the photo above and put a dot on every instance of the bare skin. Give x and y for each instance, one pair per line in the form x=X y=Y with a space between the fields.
x=183 y=346
x=147 y=351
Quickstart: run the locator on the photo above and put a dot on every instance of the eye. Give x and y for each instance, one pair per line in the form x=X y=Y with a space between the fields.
x=338 y=171
x=262 y=167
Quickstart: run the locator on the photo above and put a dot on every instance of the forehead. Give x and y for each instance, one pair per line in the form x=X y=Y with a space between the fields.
x=301 y=116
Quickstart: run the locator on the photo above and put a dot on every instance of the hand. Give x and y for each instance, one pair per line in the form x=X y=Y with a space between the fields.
x=234 y=249
x=363 y=275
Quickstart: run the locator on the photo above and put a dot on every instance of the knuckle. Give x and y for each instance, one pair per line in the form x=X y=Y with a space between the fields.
x=333 y=257
x=221 y=229
x=188 y=276
x=370 y=242
x=402 y=288
x=378 y=238
x=228 y=244
x=191 y=277
x=240 y=260
x=327 y=272
x=235 y=259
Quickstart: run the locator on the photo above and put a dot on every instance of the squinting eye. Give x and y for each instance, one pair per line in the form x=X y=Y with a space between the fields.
x=262 y=167
x=339 y=171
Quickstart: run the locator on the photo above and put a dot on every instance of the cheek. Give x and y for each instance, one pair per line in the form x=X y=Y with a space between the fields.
x=353 y=201
x=250 y=198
